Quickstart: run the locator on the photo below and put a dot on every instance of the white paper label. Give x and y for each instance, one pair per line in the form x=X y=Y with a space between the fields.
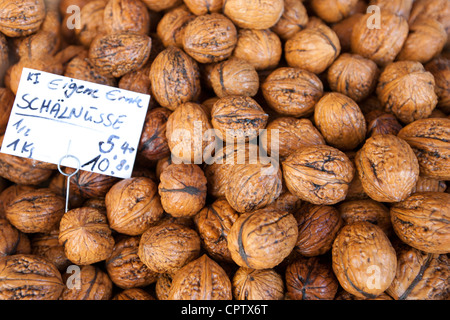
x=55 y=116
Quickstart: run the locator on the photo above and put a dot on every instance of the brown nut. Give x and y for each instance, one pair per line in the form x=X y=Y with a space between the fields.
x=440 y=69
x=182 y=189
x=133 y=205
x=138 y=81
x=344 y=29
x=126 y=16
x=201 y=279
x=430 y=140
x=210 y=38
x=8 y=195
x=373 y=271
x=6 y=104
x=382 y=44
x=36 y=211
x=292 y=91
x=425 y=184
x=310 y=279
x=313 y=49
x=12 y=241
x=47 y=245
x=261 y=239
x=91 y=20
x=332 y=11
x=294 y=18
x=254 y=14
x=399 y=7
x=199 y=7
x=119 y=53
x=171 y=27
x=20 y=18
x=167 y=247
x=174 y=78
x=380 y=122
x=421 y=221
x=318 y=174
x=92 y=284
x=29 y=277
x=124 y=267
x=354 y=76
x=317 y=229
x=387 y=168
x=158 y=5
x=251 y=284
x=340 y=120
x=86 y=236
x=90 y=184
x=133 y=294
x=162 y=286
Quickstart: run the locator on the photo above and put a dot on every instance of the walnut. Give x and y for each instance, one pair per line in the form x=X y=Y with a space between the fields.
x=340 y=120
x=318 y=226
x=261 y=239
x=94 y=284
x=344 y=29
x=366 y=210
x=6 y=104
x=158 y=5
x=4 y=57
x=201 y=7
x=182 y=189
x=39 y=45
x=311 y=279
x=170 y=28
x=210 y=38
x=292 y=91
x=201 y=279
x=133 y=205
x=251 y=284
x=254 y=14
x=421 y=221
x=372 y=272
x=440 y=69
x=238 y=117
x=234 y=77
x=133 y=294
x=162 y=286
x=344 y=295
x=20 y=18
x=174 y=78
x=138 y=81
x=332 y=11
x=124 y=267
x=119 y=53
x=91 y=20
x=286 y=202
x=354 y=76
x=90 y=184
x=81 y=67
x=294 y=18
x=387 y=168
x=86 y=236
x=429 y=139
x=382 y=44
x=318 y=174
x=47 y=245
x=425 y=184
x=12 y=241
x=213 y=223
x=420 y=275
x=380 y=122
x=126 y=16
x=313 y=49
x=29 y=277
x=399 y=7
x=167 y=247
x=261 y=48
x=36 y=210
x=8 y=195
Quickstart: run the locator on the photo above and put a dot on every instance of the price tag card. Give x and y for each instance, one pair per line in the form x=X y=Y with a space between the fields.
x=55 y=116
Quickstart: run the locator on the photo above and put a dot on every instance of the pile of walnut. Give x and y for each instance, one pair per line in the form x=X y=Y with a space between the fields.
x=358 y=207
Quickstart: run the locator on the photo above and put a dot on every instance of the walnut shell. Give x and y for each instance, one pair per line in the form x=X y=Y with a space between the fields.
x=261 y=48
x=162 y=286
x=81 y=67
x=174 y=78
x=138 y=81
x=251 y=284
x=294 y=18
x=170 y=28
x=310 y=279
x=86 y=236
x=133 y=205
x=318 y=174
x=20 y=18
x=292 y=91
x=29 y=277
x=47 y=245
x=313 y=49
x=372 y=272
x=201 y=279
x=213 y=223
x=421 y=221
x=90 y=184
x=167 y=247
x=133 y=294
x=182 y=189
x=91 y=20
x=353 y=75
x=36 y=210
x=387 y=168
x=254 y=14
x=399 y=7
x=210 y=38
x=8 y=195
x=261 y=239
x=344 y=29
x=380 y=122
x=317 y=229
x=94 y=284
x=158 y=5
x=332 y=11
x=119 y=53
x=126 y=16
x=381 y=44
x=238 y=117
x=340 y=120
x=12 y=241
x=124 y=267
x=430 y=140
x=6 y=104
x=420 y=275
x=200 y=7
x=425 y=184
x=440 y=69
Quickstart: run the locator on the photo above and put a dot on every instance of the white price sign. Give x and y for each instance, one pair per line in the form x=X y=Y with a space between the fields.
x=55 y=116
